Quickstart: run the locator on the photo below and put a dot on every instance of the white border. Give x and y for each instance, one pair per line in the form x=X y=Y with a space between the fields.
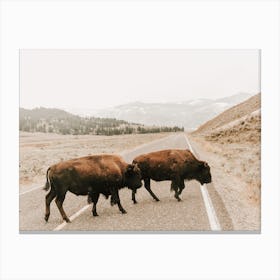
x=146 y=24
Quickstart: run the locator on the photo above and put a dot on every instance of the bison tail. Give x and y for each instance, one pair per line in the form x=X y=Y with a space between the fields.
x=48 y=183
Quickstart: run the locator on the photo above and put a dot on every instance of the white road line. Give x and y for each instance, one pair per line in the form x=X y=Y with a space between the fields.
x=74 y=216
x=212 y=216
x=211 y=213
x=31 y=190
x=189 y=144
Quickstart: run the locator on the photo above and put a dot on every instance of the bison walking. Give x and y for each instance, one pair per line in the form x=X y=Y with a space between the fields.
x=175 y=165
x=91 y=175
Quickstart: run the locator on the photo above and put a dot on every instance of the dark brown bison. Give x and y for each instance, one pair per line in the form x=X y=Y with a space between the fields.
x=175 y=165
x=91 y=175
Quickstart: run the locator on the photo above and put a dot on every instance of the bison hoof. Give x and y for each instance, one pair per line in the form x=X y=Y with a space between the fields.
x=67 y=220
x=123 y=212
x=157 y=200
x=134 y=201
x=94 y=214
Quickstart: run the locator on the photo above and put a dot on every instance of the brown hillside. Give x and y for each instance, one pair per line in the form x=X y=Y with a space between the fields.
x=234 y=113
x=234 y=139
x=245 y=129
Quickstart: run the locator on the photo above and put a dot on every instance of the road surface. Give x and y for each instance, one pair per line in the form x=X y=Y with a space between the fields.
x=201 y=208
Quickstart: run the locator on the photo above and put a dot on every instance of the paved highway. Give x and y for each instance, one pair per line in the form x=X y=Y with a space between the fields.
x=201 y=208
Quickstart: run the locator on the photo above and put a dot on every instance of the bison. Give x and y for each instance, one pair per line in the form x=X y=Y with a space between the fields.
x=176 y=165
x=90 y=175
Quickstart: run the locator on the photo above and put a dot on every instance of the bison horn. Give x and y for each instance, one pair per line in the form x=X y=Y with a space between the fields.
x=203 y=164
x=135 y=166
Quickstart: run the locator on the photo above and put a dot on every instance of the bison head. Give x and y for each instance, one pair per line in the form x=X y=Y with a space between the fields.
x=203 y=174
x=133 y=177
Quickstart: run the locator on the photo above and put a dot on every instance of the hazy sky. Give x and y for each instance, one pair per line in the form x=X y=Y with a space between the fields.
x=104 y=78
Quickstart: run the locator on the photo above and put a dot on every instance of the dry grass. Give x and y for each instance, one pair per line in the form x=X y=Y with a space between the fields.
x=244 y=130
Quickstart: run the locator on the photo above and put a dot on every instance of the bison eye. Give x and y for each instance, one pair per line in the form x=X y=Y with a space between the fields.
x=130 y=170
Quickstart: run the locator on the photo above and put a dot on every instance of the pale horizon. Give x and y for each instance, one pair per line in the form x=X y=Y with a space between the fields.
x=99 y=79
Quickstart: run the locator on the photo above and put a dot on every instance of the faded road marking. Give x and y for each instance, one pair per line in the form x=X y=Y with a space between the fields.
x=73 y=217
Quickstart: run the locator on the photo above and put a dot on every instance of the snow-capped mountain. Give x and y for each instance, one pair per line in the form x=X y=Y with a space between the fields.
x=189 y=114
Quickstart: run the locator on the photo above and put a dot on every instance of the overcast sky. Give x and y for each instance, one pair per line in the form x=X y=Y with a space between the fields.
x=104 y=78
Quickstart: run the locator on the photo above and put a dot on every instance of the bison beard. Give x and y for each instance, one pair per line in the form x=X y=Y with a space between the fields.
x=92 y=176
x=175 y=165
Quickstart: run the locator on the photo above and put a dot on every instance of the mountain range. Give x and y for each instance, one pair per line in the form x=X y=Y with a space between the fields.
x=188 y=114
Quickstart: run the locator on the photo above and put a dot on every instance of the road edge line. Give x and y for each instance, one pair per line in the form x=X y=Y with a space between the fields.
x=210 y=210
x=213 y=219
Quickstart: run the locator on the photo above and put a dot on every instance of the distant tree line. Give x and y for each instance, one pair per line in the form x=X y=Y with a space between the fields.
x=62 y=122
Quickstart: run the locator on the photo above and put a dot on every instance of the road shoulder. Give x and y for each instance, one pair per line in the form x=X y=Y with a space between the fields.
x=228 y=192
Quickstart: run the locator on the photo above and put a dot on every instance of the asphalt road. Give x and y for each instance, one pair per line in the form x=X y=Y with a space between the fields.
x=167 y=215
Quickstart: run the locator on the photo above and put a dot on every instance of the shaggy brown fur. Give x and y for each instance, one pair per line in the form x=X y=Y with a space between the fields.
x=91 y=175
x=175 y=165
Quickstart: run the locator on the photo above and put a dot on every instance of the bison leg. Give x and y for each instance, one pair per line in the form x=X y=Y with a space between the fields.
x=116 y=199
x=121 y=208
x=174 y=186
x=147 y=185
x=49 y=197
x=181 y=187
x=133 y=196
x=94 y=198
x=59 y=201
x=89 y=197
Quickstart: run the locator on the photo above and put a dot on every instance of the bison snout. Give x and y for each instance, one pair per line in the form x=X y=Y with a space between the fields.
x=208 y=180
